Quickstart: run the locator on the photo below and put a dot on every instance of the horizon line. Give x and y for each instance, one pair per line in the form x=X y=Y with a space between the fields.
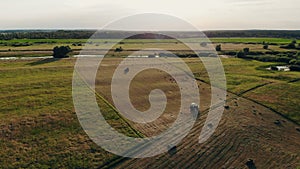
x=94 y=29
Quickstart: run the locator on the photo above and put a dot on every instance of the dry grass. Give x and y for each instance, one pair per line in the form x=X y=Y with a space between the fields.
x=39 y=128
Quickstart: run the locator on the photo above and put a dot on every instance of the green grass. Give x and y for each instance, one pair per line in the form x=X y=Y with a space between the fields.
x=44 y=41
x=252 y=40
x=241 y=75
x=216 y=40
x=28 y=91
x=39 y=128
x=282 y=97
x=248 y=77
x=44 y=47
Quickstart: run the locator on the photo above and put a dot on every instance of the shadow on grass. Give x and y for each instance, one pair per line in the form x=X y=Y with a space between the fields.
x=44 y=61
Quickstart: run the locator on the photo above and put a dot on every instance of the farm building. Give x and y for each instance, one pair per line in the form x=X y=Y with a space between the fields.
x=279 y=68
x=283 y=68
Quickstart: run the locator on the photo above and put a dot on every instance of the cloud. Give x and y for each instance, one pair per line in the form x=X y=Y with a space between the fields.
x=214 y=14
x=250 y=2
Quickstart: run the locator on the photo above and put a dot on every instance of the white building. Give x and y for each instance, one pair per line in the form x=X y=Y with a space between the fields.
x=283 y=68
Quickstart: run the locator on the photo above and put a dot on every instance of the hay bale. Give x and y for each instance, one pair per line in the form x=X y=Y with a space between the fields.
x=250 y=164
x=194 y=109
x=210 y=126
x=126 y=70
x=277 y=122
x=172 y=149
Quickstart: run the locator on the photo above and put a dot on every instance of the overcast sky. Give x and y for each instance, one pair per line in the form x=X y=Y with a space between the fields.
x=205 y=14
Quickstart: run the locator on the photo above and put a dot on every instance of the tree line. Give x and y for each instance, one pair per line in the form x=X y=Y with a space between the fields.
x=85 y=34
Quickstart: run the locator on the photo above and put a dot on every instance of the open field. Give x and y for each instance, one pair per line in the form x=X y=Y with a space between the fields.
x=43 y=47
x=251 y=40
x=216 y=40
x=39 y=127
x=246 y=131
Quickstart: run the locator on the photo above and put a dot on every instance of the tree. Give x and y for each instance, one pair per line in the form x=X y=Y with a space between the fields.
x=291 y=45
x=119 y=49
x=61 y=52
x=218 y=48
x=266 y=46
x=274 y=68
x=241 y=54
x=295 y=68
x=293 y=62
x=246 y=50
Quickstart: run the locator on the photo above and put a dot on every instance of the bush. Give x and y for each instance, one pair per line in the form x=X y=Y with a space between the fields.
x=61 y=52
x=289 y=46
x=266 y=46
x=283 y=59
x=297 y=62
x=241 y=54
x=295 y=68
x=246 y=50
x=272 y=52
x=119 y=49
x=271 y=58
x=231 y=53
x=293 y=61
x=266 y=58
x=255 y=53
x=218 y=48
x=274 y=68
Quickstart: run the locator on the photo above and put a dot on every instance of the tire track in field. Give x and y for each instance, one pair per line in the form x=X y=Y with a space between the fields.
x=240 y=144
x=132 y=162
x=253 y=88
x=116 y=160
x=241 y=94
x=186 y=145
x=181 y=147
x=164 y=162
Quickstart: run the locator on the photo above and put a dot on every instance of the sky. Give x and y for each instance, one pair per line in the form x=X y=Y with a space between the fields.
x=204 y=14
